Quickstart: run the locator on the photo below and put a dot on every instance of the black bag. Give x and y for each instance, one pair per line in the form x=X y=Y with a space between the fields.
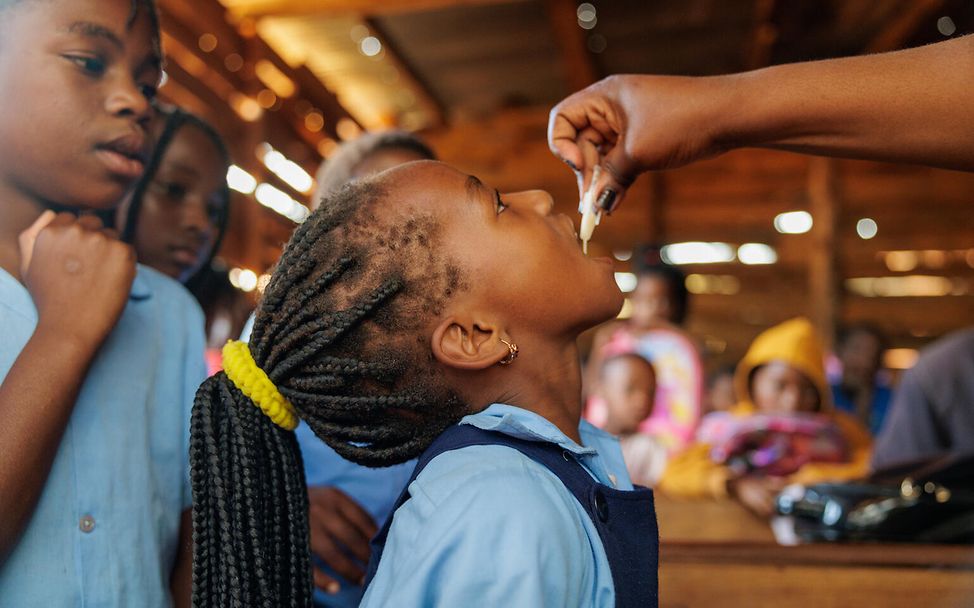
x=932 y=502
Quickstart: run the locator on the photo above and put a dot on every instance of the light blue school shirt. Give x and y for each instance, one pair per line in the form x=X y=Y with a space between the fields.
x=488 y=526
x=375 y=490
x=106 y=527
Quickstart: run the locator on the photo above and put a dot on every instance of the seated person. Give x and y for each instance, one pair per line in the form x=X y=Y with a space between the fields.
x=408 y=318
x=932 y=414
x=627 y=384
x=783 y=430
x=720 y=390
x=859 y=388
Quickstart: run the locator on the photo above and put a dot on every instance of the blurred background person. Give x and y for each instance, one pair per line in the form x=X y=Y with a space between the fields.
x=627 y=384
x=858 y=387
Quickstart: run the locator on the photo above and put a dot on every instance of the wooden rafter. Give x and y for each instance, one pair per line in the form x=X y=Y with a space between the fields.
x=577 y=65
x=368 y=8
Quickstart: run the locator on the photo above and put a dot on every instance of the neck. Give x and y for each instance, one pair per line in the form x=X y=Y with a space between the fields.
x=545 y=379
x=17 y=213
x=616 y=428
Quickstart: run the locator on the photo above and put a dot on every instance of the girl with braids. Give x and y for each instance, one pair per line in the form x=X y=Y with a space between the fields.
x=177 y=212
x=421 y=313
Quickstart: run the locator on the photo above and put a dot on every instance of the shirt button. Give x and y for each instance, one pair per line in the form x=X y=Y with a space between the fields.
x=87 y=524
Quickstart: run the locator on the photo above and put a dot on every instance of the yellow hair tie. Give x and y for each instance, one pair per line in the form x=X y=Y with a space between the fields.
x=240 y=368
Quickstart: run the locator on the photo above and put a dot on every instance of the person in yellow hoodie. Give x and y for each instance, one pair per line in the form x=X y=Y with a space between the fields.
x=782 y=375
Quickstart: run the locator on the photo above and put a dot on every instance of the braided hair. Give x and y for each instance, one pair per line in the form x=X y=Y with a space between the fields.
x=338 y=331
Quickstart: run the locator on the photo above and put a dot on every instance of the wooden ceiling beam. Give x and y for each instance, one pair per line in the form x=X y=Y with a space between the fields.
x=267 y=8
x=577 y=64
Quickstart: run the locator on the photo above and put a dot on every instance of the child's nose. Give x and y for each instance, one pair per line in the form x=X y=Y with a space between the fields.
x=127 y=99
x=538 y=201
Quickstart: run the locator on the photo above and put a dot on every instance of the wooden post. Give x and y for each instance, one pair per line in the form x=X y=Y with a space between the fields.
x=823 y=277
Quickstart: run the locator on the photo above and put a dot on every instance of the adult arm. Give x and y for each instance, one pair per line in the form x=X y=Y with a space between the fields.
x=914 y=106
x=79 y=277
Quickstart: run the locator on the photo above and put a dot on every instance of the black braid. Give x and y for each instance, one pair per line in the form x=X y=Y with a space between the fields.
x=338 y=332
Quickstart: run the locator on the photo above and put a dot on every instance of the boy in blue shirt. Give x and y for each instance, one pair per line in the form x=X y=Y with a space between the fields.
x=99 y=358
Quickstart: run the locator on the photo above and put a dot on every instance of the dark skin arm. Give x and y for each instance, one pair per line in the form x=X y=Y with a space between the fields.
x=62 y=259
x=912 y=106
x=340 y=530
x=181 y=580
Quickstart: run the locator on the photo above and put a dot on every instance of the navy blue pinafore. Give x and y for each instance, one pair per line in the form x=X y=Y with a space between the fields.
x=625 y=519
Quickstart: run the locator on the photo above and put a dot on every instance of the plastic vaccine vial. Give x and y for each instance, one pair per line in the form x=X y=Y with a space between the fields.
x=590 y=217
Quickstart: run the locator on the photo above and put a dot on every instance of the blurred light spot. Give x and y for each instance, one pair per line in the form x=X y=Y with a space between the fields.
x=756 y=253
x=914 y=285
x=266 y=98
x=901 y=261
x=946 y=26
x=246 y=107
x=867 y=228
x=696 y=252
x=233 y=62
x=370 y=46
x=587 y=25
x=326 y=147
x=624 y=255
x=272 y=198
x=262 y=282
x=314 y=122
x=274 y=79
x=207 y=43
x=626 y=281
x=713 y=284
x=240 y=180
x=899 y=358
x=934 y=258
x=286 y=169
x=597 y=43
x=247 y=280
x=714 y=345
x=347 y=129
x=234 y=276
x=626 y=310
x=969 y=257
x=793 y=222
x=585 y=12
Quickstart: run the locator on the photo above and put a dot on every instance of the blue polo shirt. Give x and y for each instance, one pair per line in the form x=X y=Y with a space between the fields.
x=488 y=526
x=106 y=527
x=375 y=490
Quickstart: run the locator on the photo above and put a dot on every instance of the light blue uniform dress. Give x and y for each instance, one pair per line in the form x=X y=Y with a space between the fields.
x=488 y=526
x=105 y=530
x=375 y=490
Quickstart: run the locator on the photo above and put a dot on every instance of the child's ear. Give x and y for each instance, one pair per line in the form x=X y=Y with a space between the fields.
x=468 y=344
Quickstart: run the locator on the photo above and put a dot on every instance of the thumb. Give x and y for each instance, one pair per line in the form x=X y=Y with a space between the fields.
x=28 y=237
x=619 y=171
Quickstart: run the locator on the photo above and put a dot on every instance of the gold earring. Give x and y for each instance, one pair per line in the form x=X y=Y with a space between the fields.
x=511 y=356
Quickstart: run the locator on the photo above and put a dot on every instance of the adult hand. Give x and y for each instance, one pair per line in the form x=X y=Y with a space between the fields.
x=340 y=534
x=78 y=274
x=757 y=493
x=629 y=124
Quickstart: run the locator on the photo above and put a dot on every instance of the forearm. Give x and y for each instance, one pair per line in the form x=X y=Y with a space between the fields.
x=909 y=106
x=36 y=400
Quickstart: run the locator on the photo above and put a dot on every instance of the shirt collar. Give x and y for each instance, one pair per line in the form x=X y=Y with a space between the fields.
x=141 y=290
x=524 y=424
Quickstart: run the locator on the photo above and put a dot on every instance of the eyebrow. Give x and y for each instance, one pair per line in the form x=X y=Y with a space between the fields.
x=474 y=185
x=96 y=31
x=93 y=30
